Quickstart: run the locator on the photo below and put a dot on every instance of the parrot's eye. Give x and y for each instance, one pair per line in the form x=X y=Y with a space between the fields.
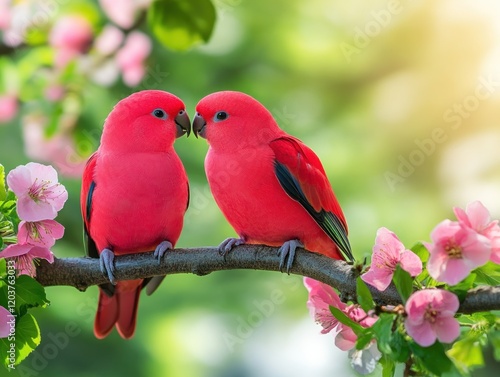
x=221 y=115
x=159 y=113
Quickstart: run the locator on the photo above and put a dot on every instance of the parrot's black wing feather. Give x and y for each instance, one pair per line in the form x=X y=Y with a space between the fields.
x=328 y=221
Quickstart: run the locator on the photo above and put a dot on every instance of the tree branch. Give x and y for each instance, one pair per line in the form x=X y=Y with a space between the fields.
x=84 y=272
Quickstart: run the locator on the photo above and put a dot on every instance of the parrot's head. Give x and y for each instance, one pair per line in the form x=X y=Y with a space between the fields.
x=146 y=121
x=233 y=120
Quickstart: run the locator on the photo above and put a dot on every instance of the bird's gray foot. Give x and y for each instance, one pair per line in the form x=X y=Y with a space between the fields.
x=227 y=245
x=161 y=249
x=106 y=262
x=287 y=250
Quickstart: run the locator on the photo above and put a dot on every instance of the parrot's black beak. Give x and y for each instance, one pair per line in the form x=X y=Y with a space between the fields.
x=199 y=126
x=183 y=124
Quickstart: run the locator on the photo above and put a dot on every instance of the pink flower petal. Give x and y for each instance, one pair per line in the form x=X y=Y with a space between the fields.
x=321 y=296
x=422 y=334
x=495 y=247
x=109 y=40
x=132 y=76
x=15 y=250
x=447 y=329
x=453 y=271
x=5 y=317
x=476 y=249
x=437 y=261
x=388 y=242
x=9 y=107
x=479 y=216
x=29 y=210
x=462 y=217
x=42 y=172
x=43 y=253
x=121 y=12
x=379 y=278
x=41 y=233
x=411 y=263
x=444 y=230
x=72 y=32
x=137 y=48
x=345 y=339
x=19 y=180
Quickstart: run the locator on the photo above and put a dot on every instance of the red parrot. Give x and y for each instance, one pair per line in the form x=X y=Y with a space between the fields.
x=269 y=185
x=134 y=195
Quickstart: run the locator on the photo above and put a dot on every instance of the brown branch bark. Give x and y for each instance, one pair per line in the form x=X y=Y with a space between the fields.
x=84 y=272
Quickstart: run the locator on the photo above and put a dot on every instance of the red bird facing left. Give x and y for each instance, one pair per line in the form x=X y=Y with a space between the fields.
x=269 y=185
x=134 y=194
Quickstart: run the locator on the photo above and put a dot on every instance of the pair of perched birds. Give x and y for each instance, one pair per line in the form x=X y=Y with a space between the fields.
x=270 y=187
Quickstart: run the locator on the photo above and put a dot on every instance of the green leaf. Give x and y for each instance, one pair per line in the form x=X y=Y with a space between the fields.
x=488 y=274
x=3 y=191
x=494 y=338
x=383 y=332
x=364 y=295
x=403 y=282
x=433 y=358
x=467 y=354
x=388 y=366
x=421 y=251
x=461 y=288
x=399 y=346
x=364 y=339
x=181 y=24
x=3 y=268
x=345 y=320
x=29 y=294
x=25 y=339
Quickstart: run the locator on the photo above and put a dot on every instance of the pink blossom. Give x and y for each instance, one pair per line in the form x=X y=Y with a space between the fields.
x=54 y=93
x=130 y=58
x=70 y=36
x=430 y=316
x=346 y=339
x=5 y=16
x=8 y=108
x=5 y=318
x=387 y=253
x=109 y=40
x=132 y=76
x=321 y=297
x=123 y=12
x=40 y=233
x=455 y=251
x=23 y=255
x=59 y=150
x=40 y=195
x=477 y=217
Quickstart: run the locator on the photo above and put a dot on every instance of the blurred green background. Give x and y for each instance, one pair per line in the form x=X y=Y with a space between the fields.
x=399 y=99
